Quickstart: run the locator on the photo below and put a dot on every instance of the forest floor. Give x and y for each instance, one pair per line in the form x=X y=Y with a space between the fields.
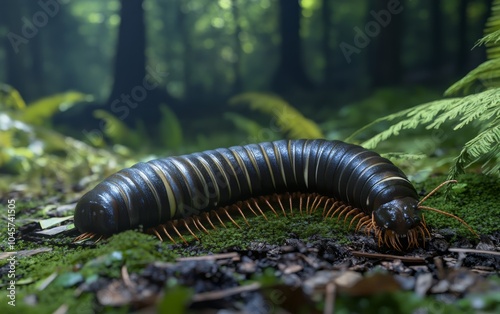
x=294 y=264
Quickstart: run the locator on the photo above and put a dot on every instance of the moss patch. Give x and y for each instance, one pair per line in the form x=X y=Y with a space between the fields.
x=475 y=199
x=274 y=230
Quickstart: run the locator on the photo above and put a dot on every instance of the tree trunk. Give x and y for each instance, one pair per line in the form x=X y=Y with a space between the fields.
x=462 y=44
x=384 y=27
x=238 y=83
x=23 y=48
x=290 y=73
x=130 y=60
x=326 y=14
x=436 y=35
x=135 y=94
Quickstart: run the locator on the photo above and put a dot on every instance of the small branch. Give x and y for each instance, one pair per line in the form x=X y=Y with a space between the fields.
x=216 y=295
x=413 y=260
x=232 y=255
x=460 y=250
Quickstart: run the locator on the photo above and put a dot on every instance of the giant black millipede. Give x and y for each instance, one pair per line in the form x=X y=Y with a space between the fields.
x=172 y=193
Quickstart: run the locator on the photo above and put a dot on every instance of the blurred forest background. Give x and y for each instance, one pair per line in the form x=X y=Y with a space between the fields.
x=194 y=55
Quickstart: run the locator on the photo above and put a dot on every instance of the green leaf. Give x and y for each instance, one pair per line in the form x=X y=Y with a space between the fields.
x=290 y=121
x=175 y=300
x=47 y=223
x=170 y=129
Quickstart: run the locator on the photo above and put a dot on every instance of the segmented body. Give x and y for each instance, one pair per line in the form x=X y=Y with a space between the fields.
x=176 y=188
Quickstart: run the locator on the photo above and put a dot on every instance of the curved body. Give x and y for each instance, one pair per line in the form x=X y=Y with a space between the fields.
x=161 y=190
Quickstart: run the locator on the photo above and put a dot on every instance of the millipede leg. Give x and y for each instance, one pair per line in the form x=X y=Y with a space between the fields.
x=325 y=207
x=424 y=226
x=361 y=214
x=307 y=203
x=260 y=210
x=320 y=199
x=231 y=218
x=340 y=208
x=313 y=204
x=178 y=233
x=220 y=220
x=201 y=225
x=168 y=234
x=195 y=224
x=300 y=204
x=270 y=206
x=362 y=222
x=189 y=229
x=346 y=210
x=250 y=207
x=349 y=213
x=207 y=216
x=157 y=234
x=412 y=238
x=281 y=205
x=242 y=215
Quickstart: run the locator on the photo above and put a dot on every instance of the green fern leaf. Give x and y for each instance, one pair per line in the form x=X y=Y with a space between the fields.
x=39 y=112
x=486 y=75
x=485 y=146
x=288 y=119
x=170 y=128
x=117 y=131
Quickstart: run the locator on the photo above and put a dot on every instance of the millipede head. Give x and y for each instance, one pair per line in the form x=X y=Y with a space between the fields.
x=399 y=215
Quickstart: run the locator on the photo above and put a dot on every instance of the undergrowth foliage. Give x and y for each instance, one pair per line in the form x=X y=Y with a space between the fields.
x=288 y=119
x=480 y=109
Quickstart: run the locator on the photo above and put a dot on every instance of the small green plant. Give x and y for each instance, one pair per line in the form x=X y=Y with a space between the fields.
x=170 y=130
x=288 y=119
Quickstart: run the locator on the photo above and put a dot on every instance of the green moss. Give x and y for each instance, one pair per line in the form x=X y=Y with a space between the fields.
x=130 y=248
x=273 y=231
x=475 y=199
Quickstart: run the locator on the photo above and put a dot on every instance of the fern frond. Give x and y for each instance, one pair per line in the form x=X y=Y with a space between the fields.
x=492 y=38
x=486 y=75
x=411 y=119
x=170 y=128
x=40 y=111
x=481 y=106
x=481 y=109
x=485 y=146
x=249 y=126
x=10 y=99
x=492 y=32
x=118 y=131
x=288 y=119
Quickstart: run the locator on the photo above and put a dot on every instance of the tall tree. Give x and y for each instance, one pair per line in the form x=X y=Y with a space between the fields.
x=326 y=17
x=462 y=43
x=238 y=83
x=130 y=58
x=384 y=28
x=290 y=72
x=436 y=37
x=135 y=94
x=23 y=47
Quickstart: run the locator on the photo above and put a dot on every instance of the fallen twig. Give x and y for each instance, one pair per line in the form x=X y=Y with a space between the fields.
x=460 y=250
x=216 y=295
x=413 y=260
x=232 y=255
